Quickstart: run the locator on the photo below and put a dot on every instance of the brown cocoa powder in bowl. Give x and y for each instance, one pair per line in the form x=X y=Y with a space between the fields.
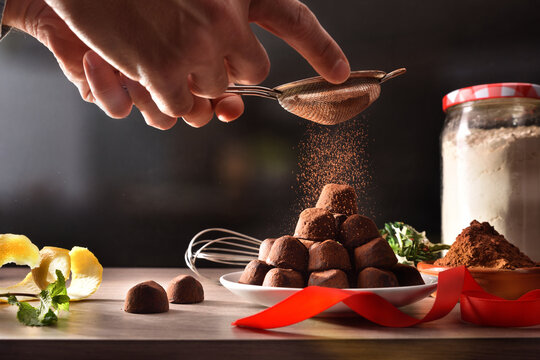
x=480 y=245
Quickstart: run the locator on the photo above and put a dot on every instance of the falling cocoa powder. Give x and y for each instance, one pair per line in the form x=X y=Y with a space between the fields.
x=334 y=154
x=480 y=245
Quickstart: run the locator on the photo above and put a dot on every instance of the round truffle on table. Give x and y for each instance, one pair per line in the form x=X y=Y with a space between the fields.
x=288 y=253
x=254 y=272
x=357 y=230
x=338 y=198
x=376 y=253
x=407 y=275
x=328 y=254
x=264 y=248
x=146 y=298
x=185 y=289
x=329 y=278
x=316 y=224
x=375 y=278
x=283 y=278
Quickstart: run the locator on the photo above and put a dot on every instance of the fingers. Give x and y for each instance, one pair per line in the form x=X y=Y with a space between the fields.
x=228 y=107
x=201 y=113
x=150 y=111
x=210 y=81
x=297 y=25
x=171 y=94
x=105 y=86
x=249 y=63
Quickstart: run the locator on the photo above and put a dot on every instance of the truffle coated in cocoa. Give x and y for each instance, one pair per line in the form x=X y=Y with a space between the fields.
x=357 y=230
x=375 y=278
x=254 y=272
x=338 y=198
x=407 y=275
x=308 y=243
x=376 y=253
x=283 y=278
x=288 y=253
x=146 y=298
x=327 y=255
x=333 y=278
x=264 y=248
x=316 y=224
x=185 y=289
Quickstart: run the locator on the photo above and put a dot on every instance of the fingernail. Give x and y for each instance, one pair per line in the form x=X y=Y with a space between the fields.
x=93 y=60
x=341 y=71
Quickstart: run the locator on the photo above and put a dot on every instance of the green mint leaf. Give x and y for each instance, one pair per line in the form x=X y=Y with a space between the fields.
x=61 y=302
x=49 y=318
x=12 y=300
x=410 y=245
x=51 y=300
x=28 y=315
x=59 y=286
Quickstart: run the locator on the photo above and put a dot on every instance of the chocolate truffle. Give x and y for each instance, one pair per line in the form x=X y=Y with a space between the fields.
x=357 y=230
x=339 y=199
x=308 y=243
x=265 y=247
x=330 y=278
x=316 y=224
x=407 y=275
x=376 y=253
x=283 y=278
x=375 y=278
x=185 y=289
x=288 y=253
x=254 y=272
x=146 y=298
x=328 y=254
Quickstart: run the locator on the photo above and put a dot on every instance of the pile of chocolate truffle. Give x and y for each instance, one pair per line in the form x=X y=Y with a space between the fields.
x=332 y=246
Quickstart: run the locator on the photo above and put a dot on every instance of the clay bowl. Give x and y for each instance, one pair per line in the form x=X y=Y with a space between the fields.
x=507 y=284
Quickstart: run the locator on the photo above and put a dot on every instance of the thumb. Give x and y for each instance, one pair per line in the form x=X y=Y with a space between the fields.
x=293 y=22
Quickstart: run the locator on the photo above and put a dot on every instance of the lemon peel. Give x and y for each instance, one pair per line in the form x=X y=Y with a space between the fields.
x=19 y=250
x=52 y=259
x=87 y=273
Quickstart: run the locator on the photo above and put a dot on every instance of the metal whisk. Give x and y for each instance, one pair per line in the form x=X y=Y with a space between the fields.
x=232 y=249
x=317 y=100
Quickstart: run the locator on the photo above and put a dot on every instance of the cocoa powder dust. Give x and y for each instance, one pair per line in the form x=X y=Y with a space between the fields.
x=481 y=245
x=334 y=154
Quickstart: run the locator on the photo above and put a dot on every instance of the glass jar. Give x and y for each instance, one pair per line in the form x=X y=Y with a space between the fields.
x=490 y=149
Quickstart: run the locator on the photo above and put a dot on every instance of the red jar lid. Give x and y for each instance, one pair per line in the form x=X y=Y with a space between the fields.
x=491 y=91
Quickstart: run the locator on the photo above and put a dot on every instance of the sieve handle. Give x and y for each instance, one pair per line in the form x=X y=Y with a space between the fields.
x=253 y=90
x=393 y=74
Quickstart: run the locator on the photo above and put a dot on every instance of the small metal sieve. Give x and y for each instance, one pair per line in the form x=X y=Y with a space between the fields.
x=318 y=100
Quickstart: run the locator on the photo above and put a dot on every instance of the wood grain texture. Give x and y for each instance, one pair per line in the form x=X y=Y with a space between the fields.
x=99 y=328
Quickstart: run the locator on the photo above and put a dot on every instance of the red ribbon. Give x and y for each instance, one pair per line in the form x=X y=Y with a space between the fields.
x=477 y=306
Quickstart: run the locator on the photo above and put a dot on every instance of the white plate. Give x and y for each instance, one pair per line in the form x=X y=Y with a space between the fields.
x=269 y=296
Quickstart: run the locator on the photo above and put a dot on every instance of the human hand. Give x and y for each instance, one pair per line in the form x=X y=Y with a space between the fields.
x=186 y=64
x=105 y=85
x=199 y=46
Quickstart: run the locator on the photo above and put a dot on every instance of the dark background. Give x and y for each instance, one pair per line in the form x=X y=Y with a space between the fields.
x=135 y=196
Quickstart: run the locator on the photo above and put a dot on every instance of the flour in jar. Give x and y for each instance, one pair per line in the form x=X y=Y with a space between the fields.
x=493 y=175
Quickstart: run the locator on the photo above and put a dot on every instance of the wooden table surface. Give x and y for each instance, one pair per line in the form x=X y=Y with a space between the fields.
x=99 y=328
